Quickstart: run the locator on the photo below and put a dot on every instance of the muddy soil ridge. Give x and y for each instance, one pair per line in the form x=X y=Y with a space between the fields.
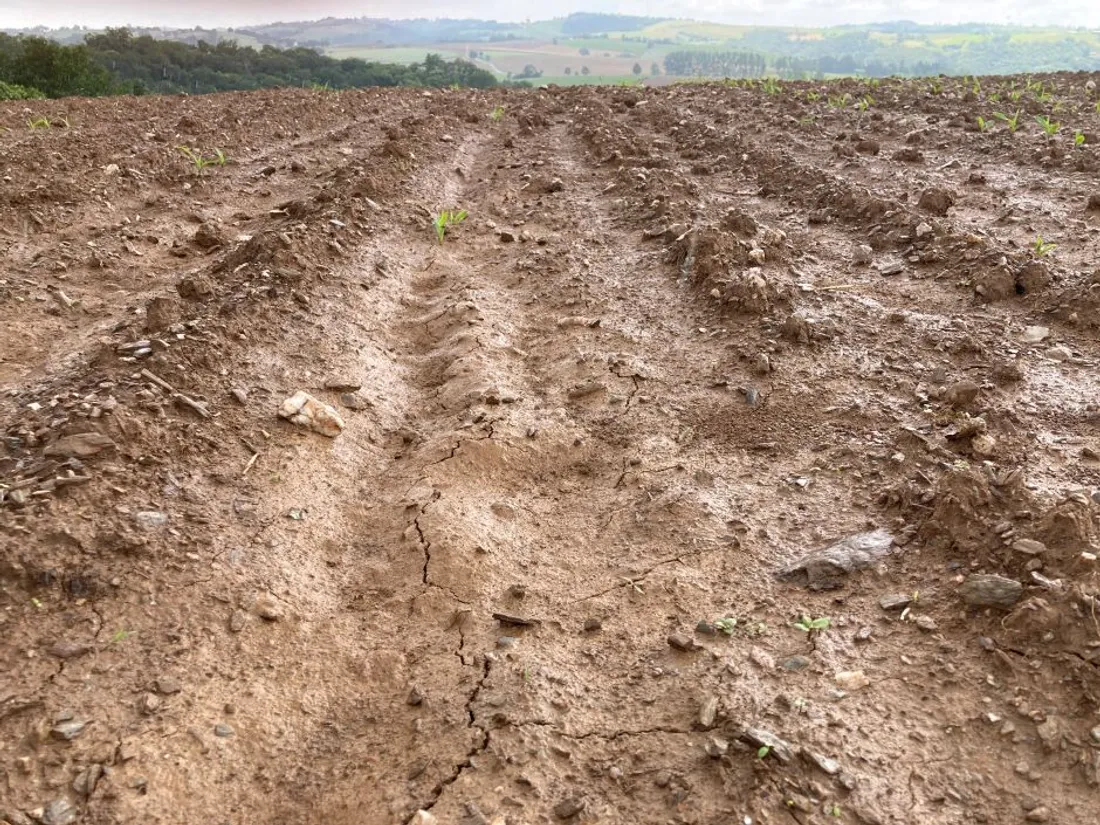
x=734 y=459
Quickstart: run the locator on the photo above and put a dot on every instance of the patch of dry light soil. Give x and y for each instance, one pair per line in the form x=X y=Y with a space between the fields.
x=553 y=567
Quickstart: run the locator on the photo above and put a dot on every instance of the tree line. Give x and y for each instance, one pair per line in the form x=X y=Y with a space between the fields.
x=118 y=62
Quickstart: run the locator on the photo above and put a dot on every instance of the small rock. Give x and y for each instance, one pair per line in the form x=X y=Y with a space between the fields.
x=167 y=686
x=796 y=663
x=342 y=383
x=936 y=201
x=81 y=445
x=266 y=607
x=759 y=738
x=1029 y=547
x=354 y=401
x=862 y=255
x=852 y=680
x=705 y=628
x=681 y=642
x=892 y=268
x=306 y=411
x=415 y=697
x=150 y=519
x=69 y=650
x=592 y=625
x=762 y=659
x=149 y=703
x=240 y=395
x=237 y=621
x=424 y=818
x=223 y=730
x=68 y=729
x=1035 y=334
x=1095 y=734
x=926 y=623
x=983 y=444
x=895 y=601
x=86 y=781
x=207 y=236
x=1040 y=814
x=716 y=747
x=826 y=568
x=990 y=590
x=829 y=766
x=506 y=236
x=962 y=394
x=59 y=812
x=569 y=807
x=708 y=711
x=923 y=229
x=162 y=312
x=762 y=364
x=1060 y=353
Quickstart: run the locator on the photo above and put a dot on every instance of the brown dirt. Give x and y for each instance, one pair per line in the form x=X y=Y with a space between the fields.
x=653 y=368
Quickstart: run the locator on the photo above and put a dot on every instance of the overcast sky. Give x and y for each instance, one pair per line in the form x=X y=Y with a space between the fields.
x=22 y=13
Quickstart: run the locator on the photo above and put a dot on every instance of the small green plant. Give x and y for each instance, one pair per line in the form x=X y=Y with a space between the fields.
x=813 y=96
x=865 y=103
x=834 y=811
x=726 y=625
x=808 y=625
x=976 y=87
x=983 y=124
x=839 y=101
x=1049 y=126
x=935 y=87
x=1078 y=138
x=497 y=114
x=1015 y=95
x=200 y=161
x=770 y=86
x=1012 y=121
x=121 y=636
x=763 y=751
x=1041 y=247
x=445 y=220
x=39 y=123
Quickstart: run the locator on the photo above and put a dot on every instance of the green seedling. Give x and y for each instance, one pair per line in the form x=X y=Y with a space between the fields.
x=839 y=101
x=808 y=625
x=813 y=97
x=936 y=87
x=1041 y=247
x=445 y=220
x=1049 y=126
x=121 y=636
x=39 y=123
x=726 y=625
x=1015 y=95
x=865 y=103
x=1078 y=138
x=200 y=161
x=763 y=751
x=36 y=602
x=770 y=86
x=1012 y=121
x=983 y=124
x=995 y=97
x=834 y=811
x=497 y=114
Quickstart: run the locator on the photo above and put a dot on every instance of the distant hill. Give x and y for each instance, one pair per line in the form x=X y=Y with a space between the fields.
x=584 y=47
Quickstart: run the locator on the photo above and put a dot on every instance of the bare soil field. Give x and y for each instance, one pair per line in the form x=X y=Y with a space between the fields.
x=736 y=460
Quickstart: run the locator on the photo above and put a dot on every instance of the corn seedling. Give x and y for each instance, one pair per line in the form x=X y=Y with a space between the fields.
x=763 y=751
x=38 y=123
x=935 y=87
x=839 y=101
x=808 y=625
x=445 y=220
x=770 y=86
x=199 y=161
x=1078 y=138
x=1015 y=95
x=976 y=87
x=983 y=124
x=995 y=97
x=813 y=97
x=865 y=103
x=726 y=625
x=121 y=636
x=1012 y=121
x=1049 y=126
x=497 y=114
x=1042 y=247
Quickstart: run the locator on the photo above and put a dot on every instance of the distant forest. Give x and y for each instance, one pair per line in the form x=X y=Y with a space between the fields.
x=118 y=62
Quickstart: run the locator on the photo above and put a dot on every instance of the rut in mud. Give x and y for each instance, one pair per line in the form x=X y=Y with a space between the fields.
x=685 y=338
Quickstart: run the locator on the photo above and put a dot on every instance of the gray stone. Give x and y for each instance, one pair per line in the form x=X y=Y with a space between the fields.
x=68 y=729
x=895 y=601
x=223 y=730
x=59 y=812
x=760 y=738
x=796 y=663
x=826 y=568
x=166 y=685
x=569 y=807
x=708 y=711
x=679 y=641
x=990 y=590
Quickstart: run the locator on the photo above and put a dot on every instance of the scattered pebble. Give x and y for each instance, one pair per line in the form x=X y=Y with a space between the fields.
x=223 y=730
x=569 y=807
x=990 y=590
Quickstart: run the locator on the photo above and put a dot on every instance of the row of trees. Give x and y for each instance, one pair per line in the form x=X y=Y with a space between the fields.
x=117 y=62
